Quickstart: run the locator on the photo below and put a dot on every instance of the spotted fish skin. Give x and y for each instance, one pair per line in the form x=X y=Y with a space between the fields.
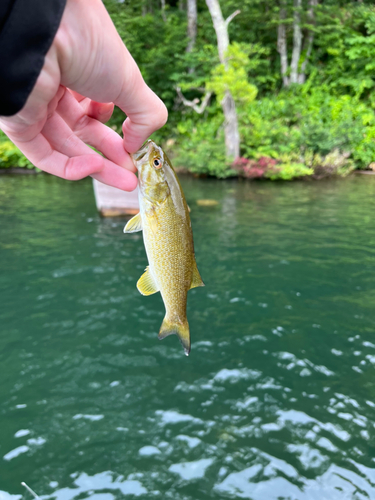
x=165 y=221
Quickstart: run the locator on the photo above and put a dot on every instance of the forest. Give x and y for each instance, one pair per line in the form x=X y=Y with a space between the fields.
x=258 y=88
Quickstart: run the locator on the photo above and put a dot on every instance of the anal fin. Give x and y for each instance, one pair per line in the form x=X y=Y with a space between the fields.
x=134 y=224
x=196 y=279
x=146 y=284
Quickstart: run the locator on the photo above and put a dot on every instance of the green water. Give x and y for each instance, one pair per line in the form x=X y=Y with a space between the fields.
x=277 y=399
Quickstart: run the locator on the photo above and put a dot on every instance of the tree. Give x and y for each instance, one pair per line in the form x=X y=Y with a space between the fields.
x=297 y=71
x=192 y=23
x=232 y=136
x=163 y=10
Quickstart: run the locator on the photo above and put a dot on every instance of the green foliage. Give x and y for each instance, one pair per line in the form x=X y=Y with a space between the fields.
x=201 y=150
x=10 y=155
x=326 y=122
x=346 y=46
x=287 y=168
x=234 y=77
x=334 y=163
x=288 y=171
x=304 y=120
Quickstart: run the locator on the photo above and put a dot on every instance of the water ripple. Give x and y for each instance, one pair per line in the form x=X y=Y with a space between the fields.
x=276 y=399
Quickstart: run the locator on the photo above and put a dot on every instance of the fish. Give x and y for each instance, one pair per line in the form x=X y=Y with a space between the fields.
x=168 y=238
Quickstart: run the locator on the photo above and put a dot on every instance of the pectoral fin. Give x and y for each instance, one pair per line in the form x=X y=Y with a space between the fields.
x=146 y=284
x=196 y=279
x=134 y=224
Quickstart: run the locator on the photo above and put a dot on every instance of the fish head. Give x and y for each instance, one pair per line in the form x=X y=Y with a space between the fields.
x=151 y=163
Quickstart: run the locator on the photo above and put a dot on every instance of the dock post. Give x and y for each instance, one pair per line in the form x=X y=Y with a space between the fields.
x=112 y=202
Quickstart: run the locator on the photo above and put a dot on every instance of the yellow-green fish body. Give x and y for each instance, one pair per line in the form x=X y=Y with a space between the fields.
x=168 y=238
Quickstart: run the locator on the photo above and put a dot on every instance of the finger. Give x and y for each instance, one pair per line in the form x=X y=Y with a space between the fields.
x=63 y=139
x=55 y=101
x=42 y=155
x=92 y=132
x=98 y=110
x=27 y=124
x=79 y=97
x=139 y=125
x=117 y=177
x=145 y=111
x=101 y=111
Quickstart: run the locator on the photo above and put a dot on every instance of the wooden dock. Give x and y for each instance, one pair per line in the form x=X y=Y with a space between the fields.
x=112 y=202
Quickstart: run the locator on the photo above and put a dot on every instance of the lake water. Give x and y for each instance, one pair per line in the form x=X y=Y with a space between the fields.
x=275 y=401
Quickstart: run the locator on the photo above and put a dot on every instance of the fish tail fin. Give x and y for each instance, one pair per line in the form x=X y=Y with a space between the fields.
x=170 y=327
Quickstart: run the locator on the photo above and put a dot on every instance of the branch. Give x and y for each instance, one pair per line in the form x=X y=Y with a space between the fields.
x=194 y=104
x=232 y=16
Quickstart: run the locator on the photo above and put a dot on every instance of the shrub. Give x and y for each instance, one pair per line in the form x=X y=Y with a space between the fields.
x=334 y=163
x=304 y=121
x=288 y=171
x=200 y=148
x=254 y=169
x=269 y=168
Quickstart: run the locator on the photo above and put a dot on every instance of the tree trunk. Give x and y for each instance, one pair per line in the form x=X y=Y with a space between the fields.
x=297 y=71
x=163 y=10
x=310 y=40
x=232 y=136
x=297 y=42
x=192 y=23
x=282 y=44
x=144 y=7
x=221 y=29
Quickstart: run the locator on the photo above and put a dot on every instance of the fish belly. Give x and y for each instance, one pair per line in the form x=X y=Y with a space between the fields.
x=168 y=247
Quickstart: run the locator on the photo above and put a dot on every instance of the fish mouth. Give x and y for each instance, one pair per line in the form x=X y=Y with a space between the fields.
x=141 y=153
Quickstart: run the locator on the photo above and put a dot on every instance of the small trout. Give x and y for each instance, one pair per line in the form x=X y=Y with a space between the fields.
x=168 y=238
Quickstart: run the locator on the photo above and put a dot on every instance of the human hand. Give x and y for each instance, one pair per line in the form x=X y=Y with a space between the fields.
x=86 y=66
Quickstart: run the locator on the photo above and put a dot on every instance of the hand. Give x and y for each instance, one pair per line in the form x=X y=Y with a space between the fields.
x=86 y=66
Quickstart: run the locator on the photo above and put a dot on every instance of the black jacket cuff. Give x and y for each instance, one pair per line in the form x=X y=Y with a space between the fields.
x=28 y=28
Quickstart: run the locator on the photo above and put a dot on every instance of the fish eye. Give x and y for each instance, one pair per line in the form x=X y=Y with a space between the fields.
x=157 y=163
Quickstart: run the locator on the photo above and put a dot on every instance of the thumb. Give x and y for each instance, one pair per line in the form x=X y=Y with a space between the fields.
x=145 y=111
x=138 y=128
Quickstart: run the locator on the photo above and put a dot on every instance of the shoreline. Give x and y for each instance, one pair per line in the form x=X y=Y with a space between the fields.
x=184 y=171
x=19 y=170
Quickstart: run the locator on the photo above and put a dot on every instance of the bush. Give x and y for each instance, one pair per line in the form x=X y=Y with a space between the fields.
x=269 y=168
x=289 y=171
x=303 y=121
x=254 y=169
x=200 y=148
x=335 y=163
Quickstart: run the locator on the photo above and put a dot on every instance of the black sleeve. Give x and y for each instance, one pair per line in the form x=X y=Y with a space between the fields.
x=27 y=29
